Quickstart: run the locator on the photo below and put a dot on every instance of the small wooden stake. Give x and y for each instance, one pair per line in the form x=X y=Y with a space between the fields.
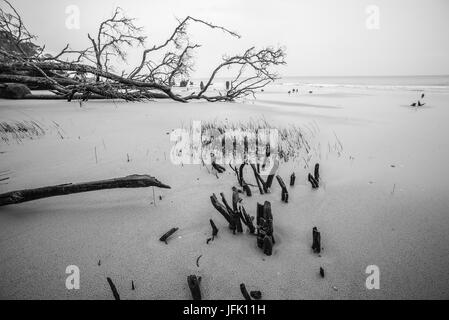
x=292 y=179
x=113 y=288
x=317 y=172
x=214 y=228
x=244 y=291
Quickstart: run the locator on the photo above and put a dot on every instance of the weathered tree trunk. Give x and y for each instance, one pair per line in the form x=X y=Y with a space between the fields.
x=194 y=285
x=132 y=181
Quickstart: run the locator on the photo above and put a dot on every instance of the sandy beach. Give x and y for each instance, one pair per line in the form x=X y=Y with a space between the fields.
x=383 y=200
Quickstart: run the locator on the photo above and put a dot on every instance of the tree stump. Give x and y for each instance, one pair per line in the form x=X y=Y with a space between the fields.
x=257 y=295
x=194 y=285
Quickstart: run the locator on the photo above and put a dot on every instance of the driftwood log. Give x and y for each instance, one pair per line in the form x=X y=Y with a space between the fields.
x=256 y=294
x=317 y=172
x=132 y=181
x=220 y=208
x=194 y=285
x=168 y=234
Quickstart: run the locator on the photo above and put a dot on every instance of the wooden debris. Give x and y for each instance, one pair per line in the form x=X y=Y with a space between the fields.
x=284 y=195
x=321 y=272
x=267 y=246
x=132 y=181
x=317 y=172
x=260 y=183
x=256 y=295
x=132 y=285
x=316 y=245
x=168 y=234
x=220 y=208
x=208 y=240
x=248 y=221
x=194 y=285
x=244 y=291
x=198 y=261
x=313 y=181
x=292 y=179
x=99 y=262
x=113 y=288
x=214 y=228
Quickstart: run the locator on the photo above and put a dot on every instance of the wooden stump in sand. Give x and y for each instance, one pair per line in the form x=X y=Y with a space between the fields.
x=316 y=245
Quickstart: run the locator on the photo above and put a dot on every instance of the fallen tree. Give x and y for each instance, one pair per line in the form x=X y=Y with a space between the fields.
x=88 y=72
x=132 y=181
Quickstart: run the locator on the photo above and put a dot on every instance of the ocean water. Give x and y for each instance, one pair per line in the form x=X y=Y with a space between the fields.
x=437 y=83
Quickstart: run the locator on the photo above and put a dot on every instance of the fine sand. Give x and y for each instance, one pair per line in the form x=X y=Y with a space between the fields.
x=384 y=200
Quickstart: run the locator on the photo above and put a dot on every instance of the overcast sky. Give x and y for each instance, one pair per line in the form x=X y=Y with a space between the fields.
x=322 y=37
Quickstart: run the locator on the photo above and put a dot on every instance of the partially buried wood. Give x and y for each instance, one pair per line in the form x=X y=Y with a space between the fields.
x=194 y=285
x=132 y=181
x=220 y=208
x=317 y=172
x=113 y=288
x=313 y=181
x=214 y=228
x=292 y=179
x=316 y=245
x=256 y=294
x=284 y=195
x=244 y=291
x=267 y=245
x=168 y=234
x=249 y=221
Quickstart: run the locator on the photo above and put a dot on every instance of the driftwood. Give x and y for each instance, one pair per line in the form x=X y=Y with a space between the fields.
x=244 y=291
x=214 y=228
x=132 y=285
x=220 y=208
x=256 y=294
x=113 y=288
x=261 y=184
x=132 y=181
x=168 y=234
x=235 y=217
x=292 y=179
x=317 y=172
x=265 y=238
x=248 y=220
x=194 y=285
x=316 y=245
x=321 y=272
x=284 y=195
x=313 y=181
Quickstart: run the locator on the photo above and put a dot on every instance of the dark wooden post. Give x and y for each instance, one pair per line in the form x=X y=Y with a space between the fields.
x=312 y=181
x=214 y=228
x=168 y=234
x=284 y=195
x=292 y=179
x=194 y=285
x=244 y=291
x=317 y=172
x=316 y=245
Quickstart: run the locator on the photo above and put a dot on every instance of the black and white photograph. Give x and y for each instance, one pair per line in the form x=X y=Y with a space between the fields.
x=216 y=150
